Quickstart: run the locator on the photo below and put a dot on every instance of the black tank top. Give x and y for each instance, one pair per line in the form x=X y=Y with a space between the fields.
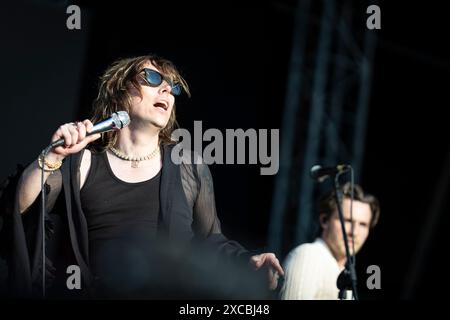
x=121 y=217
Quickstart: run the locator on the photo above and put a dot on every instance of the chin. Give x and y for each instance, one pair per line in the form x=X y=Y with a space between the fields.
x=158 y=120
x=159 y=124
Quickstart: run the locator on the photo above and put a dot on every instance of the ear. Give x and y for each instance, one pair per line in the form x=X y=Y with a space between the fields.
x=323 y=219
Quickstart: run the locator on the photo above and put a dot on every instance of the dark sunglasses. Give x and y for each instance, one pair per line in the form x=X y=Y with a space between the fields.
x=154 y=79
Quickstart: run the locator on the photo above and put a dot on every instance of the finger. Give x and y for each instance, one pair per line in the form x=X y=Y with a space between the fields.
x=277 y=266
x=81 y=131
x=88 y=125
x=60 y=150
x=280 y=270
x=66 y=135
x=74 y=133
x=266 y=258
x=56 y=136
x=257 y=261
x=272 y=261
x=273 y=284
x=93 y=137
x=254 y=259
x=89 y=139
x=273 y=279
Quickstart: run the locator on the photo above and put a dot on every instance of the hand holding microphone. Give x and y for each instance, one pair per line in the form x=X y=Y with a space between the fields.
x=72 y=137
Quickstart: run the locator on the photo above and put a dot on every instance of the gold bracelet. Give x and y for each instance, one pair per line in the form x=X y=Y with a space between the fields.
x=52 y=166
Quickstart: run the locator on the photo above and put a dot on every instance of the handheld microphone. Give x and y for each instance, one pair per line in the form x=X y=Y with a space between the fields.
x=320 y=173
x=116 y=121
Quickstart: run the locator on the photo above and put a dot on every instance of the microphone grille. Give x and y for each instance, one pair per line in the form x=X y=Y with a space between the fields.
x=123 y=119
x=314 y=170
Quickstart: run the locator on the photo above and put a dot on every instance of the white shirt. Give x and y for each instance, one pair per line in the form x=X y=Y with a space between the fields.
x=311 y=272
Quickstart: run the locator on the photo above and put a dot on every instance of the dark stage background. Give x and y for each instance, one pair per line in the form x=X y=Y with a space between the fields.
x=235 y=56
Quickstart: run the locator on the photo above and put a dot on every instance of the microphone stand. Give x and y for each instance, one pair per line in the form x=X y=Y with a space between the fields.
x=347 y=279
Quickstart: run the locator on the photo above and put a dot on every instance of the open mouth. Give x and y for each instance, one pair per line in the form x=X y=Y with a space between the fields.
x=161 y=105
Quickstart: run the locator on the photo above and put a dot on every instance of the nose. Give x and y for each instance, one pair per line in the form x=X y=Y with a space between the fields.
x=355 y=230
x=165 y=87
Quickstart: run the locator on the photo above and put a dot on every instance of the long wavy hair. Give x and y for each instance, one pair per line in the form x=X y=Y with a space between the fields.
x=114 y=95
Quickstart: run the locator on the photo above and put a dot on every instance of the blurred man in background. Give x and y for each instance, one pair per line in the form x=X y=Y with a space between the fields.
x=312 y=269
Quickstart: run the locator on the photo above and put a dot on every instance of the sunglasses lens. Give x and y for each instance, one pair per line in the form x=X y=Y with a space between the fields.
x=153 y=77
x=176 y=90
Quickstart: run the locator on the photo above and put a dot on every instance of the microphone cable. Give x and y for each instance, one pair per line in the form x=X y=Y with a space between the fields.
x=43 y=215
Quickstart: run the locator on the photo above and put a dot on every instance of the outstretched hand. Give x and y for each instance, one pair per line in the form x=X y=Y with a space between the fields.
x=271 y=263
